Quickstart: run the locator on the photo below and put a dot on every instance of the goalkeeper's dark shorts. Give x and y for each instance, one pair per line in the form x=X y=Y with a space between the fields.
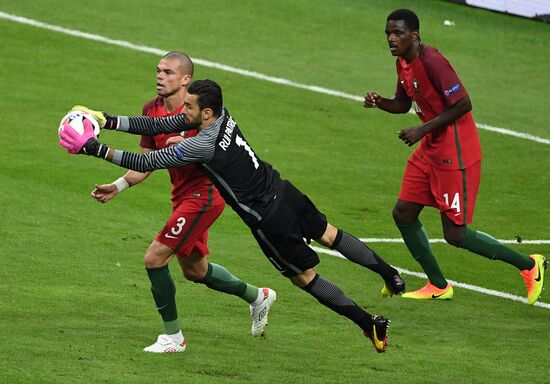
x=289 y=223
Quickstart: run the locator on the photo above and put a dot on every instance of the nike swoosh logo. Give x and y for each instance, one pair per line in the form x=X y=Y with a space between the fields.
x=436 y=296
x=538 y=278
x=170 y=236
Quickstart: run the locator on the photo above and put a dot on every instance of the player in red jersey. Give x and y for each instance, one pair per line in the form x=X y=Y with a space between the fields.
x=196 y=204
x=444 y=170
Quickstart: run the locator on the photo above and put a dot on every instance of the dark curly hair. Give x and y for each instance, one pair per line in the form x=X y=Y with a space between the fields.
x=409 y=17
x=209 y=95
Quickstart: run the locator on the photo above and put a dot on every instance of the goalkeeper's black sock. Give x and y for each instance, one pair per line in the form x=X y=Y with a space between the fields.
x=328 y=294
x=355 y=250
x=164 y=293
x=220 y=279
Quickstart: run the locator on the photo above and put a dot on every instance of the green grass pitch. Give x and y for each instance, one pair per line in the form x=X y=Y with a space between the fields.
x=76 y=305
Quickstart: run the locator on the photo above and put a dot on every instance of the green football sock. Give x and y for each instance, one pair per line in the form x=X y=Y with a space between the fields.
x=486 y=245
x=416 y=239
x=164 y=293
x=220 y=279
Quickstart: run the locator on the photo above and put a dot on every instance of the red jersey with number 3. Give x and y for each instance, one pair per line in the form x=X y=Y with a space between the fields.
x=432 y=83
x=187 y=181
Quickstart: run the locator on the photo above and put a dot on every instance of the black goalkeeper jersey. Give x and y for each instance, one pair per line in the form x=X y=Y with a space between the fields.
x=247 y=183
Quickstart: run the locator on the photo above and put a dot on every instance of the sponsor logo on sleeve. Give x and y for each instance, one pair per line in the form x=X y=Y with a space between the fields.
x=178 y=150
x=452 y=90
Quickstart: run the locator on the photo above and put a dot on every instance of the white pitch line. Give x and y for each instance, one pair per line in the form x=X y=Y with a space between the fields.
x=400 y=240
x=228 y=68
x=509 y=132
x=470 y=287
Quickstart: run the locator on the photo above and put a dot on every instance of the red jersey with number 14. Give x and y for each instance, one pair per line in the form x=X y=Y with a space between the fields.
x=188 y=181
x=432 y=83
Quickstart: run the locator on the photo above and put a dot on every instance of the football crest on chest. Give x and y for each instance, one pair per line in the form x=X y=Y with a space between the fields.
x=412 y=87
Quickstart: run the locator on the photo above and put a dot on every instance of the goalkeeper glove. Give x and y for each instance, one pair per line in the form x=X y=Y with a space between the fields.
x=85 y=143
x=93 y=147
x=105 y=120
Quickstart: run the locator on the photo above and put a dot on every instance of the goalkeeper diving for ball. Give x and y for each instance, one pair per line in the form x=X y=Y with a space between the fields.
x=281 y=218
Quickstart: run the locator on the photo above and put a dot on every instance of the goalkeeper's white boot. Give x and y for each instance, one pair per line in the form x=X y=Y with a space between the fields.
x=165 y=344
x=260 y=311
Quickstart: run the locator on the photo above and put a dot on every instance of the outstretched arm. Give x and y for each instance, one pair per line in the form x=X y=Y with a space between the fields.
x=164 y=158
x=151 y=126
x=193 y=150
x=138 y=125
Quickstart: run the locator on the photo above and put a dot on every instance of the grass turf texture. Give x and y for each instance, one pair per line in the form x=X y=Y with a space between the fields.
x=77 y=306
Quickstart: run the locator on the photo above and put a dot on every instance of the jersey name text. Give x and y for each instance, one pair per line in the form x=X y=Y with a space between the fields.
x=226 y=140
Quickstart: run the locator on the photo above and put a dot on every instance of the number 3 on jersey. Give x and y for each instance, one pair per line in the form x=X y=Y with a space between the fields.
x=242 y=143
x=176 y=229
x=456 y=202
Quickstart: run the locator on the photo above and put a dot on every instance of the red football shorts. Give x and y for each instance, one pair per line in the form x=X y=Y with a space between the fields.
x=452 y=192
x=186 y=231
